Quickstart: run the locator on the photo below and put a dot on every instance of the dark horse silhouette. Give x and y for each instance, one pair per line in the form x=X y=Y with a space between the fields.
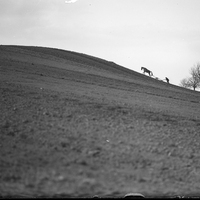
x=147 y=71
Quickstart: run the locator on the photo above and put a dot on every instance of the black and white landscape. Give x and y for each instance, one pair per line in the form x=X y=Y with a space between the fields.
x=73 y=125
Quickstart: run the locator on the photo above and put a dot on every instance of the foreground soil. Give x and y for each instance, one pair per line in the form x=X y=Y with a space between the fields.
x=71 y=134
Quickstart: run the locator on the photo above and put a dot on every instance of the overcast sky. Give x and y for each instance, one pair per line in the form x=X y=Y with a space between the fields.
x=162 y=35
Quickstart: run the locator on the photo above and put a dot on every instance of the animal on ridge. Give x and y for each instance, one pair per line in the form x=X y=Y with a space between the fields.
x=145 y=70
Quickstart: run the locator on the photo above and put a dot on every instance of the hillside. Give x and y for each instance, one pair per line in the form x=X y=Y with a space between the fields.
x=76 y=125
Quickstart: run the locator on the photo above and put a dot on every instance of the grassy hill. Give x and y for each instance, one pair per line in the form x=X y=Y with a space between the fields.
x=76 y=125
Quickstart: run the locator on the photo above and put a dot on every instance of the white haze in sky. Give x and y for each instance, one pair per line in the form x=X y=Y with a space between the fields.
x=70 y=1
x=162 y=35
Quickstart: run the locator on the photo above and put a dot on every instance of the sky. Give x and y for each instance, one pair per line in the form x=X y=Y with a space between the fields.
x=161 y=35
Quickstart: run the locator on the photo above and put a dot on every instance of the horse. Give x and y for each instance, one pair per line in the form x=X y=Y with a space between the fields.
x=147 y=71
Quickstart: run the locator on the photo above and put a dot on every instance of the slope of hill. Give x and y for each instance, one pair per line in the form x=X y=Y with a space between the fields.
x=76 y=125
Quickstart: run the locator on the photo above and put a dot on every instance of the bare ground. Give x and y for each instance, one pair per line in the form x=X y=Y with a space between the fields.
x=71 y=127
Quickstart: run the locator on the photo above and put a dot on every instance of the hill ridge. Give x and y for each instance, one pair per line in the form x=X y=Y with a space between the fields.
x=97 y=64
x=75 y=122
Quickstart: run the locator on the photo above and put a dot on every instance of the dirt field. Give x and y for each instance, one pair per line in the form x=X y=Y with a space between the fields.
x=72 y=125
